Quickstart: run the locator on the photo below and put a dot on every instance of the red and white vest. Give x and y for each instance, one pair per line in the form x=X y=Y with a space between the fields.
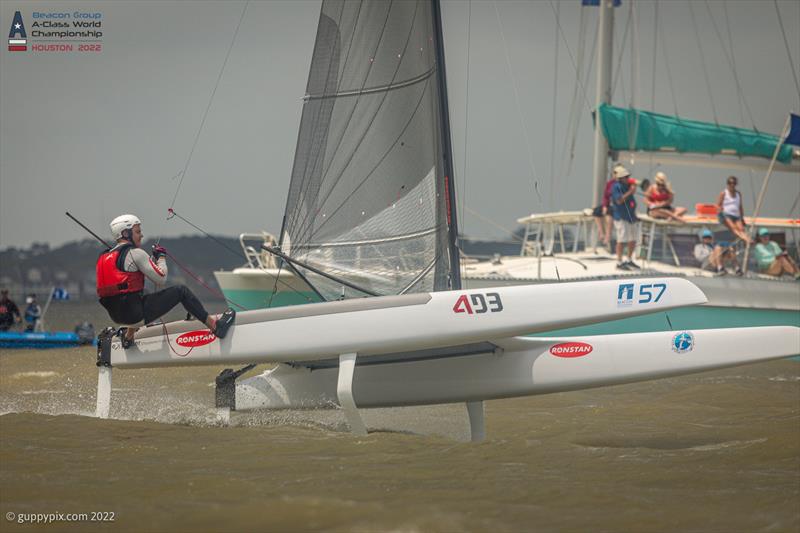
x=112 y=279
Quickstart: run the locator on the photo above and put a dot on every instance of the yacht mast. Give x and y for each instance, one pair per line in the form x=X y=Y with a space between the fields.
x=444 y=111
x=603 y=95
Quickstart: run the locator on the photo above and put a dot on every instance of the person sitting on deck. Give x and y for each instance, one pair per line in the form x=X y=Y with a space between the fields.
x=713 y=257
x=121 y=272
x=659 y=198
x=771 y=259
x=731 y=209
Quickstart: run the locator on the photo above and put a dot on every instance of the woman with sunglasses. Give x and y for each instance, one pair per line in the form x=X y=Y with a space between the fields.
x=659 y=198
x=731 y=210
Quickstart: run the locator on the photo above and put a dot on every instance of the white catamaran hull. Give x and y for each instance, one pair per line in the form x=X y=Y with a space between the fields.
x=392 y=324
x=520 y=366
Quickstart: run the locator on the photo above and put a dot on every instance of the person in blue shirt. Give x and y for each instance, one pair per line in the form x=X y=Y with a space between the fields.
x=33 y=313
x=623 y=211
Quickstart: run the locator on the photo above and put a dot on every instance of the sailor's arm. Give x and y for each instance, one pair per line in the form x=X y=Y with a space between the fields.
x=155 y=271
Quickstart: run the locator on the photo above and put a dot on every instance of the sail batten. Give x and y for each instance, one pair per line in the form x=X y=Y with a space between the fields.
x=365 y=200
x=369 y=90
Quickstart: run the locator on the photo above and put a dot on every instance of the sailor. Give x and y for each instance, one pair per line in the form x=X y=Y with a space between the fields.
x=33 y=313
x=121 y=272
x=9 y=312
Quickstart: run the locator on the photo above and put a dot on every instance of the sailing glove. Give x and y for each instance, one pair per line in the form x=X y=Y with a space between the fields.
x=158 y=252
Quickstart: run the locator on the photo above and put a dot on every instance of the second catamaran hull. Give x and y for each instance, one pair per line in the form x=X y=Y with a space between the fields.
x=519 y=366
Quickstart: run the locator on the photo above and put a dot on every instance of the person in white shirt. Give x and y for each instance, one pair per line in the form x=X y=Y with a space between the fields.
x=731 y=209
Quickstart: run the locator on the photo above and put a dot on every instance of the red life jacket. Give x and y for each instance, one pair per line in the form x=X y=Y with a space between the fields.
x=112 y=280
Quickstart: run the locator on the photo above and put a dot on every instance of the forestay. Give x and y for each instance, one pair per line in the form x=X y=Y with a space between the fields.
x=368 y=199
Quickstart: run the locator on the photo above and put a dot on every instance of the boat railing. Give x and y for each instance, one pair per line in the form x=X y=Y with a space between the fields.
x=576 y=231
x=256 y=256
x=543 y=231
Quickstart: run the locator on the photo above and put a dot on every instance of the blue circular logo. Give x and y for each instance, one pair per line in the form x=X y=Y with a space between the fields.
x=683 y=342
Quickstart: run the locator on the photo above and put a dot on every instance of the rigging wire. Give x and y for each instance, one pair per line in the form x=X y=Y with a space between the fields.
x=794 y=205
x=633 y=15
x=703 y=63
x=655 y=57
x=669 y=71
x=575 y=116
x=466 y=132
x=173 y=213
x=574 y=100
x=493 y=223
x=618 y=74
x=569 y=52
x=740 y=94
x=653 y=65
x=516 y=95
x=208 y=107
x=733 y=60
x=739 y=91
x=555 y=105
x=786 y=44
x=203 y=284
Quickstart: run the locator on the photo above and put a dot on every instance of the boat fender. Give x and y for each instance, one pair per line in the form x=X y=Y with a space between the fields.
x=104 y=346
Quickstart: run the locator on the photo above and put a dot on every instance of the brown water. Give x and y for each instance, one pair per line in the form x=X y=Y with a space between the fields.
x=711 y=452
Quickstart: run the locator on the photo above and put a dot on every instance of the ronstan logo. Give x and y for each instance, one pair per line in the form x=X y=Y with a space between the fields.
x=192 y=339
x=571 y=349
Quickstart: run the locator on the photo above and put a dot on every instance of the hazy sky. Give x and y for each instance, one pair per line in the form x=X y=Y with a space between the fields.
x=104 y=133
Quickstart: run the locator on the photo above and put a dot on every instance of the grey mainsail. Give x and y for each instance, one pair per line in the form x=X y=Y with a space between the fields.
x=370 y=189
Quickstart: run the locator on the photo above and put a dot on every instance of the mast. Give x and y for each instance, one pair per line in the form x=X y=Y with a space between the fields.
x=603 y=96
x=447 y=156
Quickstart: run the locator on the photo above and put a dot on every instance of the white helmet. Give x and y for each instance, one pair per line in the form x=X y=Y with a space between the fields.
x=122 y=223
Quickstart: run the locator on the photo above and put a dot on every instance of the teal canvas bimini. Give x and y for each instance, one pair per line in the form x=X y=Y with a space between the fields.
x=637 y=130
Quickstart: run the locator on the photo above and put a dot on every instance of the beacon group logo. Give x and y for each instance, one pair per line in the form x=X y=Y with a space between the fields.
x=56 y=31
x=17 y=38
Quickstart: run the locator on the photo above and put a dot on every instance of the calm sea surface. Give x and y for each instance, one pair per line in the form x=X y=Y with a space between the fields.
x=717 y=451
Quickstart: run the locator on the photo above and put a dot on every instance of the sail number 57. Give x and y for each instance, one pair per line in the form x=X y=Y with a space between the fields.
x=651 y=292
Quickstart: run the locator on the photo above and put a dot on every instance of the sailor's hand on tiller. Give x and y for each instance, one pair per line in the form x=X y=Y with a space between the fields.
x=158 y=252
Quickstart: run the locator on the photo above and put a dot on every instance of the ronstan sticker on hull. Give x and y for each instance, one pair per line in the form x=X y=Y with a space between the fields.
x=571 y=349
x=193 y=339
